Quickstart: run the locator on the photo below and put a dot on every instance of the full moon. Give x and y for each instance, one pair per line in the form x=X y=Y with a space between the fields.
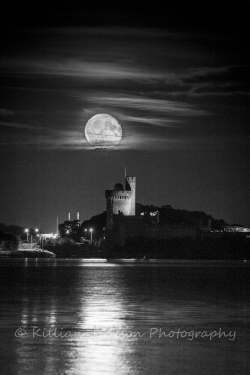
x=103 y=130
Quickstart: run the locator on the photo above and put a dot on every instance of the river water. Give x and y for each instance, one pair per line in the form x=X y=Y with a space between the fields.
x=76 y=317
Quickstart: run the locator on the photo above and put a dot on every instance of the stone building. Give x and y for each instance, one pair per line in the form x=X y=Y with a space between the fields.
x=124 y=218
x=121 y=201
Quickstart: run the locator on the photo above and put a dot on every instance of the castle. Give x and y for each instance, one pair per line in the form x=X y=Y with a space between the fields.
x=125 y=218
x=120 y=201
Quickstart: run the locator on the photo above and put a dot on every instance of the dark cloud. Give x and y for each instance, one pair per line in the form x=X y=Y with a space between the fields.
x=223 y=80
x=6 y=112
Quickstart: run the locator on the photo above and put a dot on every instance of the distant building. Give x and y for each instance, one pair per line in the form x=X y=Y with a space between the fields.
x=150 y=216
x=45 y=236
x=236 y=229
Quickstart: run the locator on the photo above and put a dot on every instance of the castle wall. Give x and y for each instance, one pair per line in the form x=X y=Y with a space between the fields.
x=131 y=226
x=109 y=209
x=121 y=202
x=130 y=183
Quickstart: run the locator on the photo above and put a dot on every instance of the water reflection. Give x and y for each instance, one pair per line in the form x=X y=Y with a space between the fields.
x=102 y=319
x=88 y=305
x=80 y=318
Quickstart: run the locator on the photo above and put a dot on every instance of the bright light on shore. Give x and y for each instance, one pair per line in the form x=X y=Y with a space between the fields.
x=27 y=231
x=91 y=233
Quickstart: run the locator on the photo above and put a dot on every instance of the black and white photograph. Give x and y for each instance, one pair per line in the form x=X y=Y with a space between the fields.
x=124 y=181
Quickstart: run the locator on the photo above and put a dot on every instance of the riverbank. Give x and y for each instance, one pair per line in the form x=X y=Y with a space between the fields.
x=27 y=253
x=64 y=262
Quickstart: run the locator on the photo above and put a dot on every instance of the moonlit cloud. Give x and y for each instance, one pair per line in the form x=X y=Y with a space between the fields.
x=17 y=125
x=167 y=107
x=149 y=120
x=40 y=136
x=89 y=70
x=160 y=86
x=222 y=80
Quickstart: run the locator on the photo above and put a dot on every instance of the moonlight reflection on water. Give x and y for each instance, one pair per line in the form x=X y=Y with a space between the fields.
x=72 y=317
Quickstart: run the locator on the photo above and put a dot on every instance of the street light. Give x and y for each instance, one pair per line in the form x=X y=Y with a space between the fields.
x=27 y=231
x=91 y=233
x=37 y=235
x=85 y=230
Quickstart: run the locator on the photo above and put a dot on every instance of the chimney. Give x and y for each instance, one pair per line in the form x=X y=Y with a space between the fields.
x=69 y=216
x=77 y=216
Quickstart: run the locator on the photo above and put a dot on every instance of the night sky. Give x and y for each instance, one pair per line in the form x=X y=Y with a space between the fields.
x=176 y=78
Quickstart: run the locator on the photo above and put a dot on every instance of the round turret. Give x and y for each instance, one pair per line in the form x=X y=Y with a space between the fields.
x=118 y=187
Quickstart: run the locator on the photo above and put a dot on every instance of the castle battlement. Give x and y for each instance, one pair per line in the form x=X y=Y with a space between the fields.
x=121 y=197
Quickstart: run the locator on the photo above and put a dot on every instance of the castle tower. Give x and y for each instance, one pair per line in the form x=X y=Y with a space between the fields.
x=130 y=183
x=120 y=201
